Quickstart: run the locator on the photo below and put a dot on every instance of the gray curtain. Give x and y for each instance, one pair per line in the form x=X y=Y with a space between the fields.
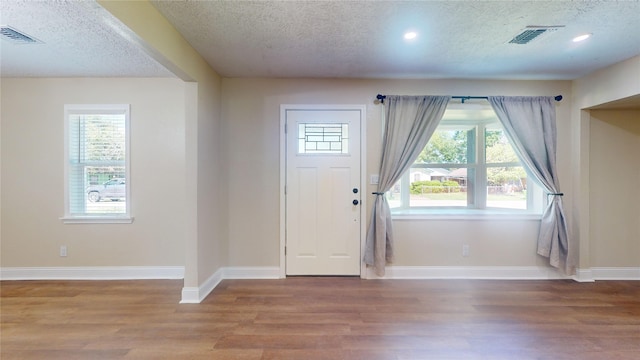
x=410 y=122
x=530 y=126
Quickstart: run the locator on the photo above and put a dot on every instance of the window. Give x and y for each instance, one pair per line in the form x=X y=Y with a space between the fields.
x=97 y=163
x=314 y=138
x=467 y=167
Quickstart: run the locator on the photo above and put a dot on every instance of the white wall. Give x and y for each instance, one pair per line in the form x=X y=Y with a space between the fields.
x=250 y=109
x=33 y=172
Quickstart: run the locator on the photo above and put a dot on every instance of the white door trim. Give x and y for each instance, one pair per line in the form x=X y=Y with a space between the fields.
x=283 y=176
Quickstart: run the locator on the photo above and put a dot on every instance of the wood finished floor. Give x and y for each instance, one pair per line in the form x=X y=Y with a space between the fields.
x=321 y=318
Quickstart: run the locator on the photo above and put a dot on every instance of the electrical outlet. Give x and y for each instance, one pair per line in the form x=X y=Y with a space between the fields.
x=63 y=250
x=465 y=250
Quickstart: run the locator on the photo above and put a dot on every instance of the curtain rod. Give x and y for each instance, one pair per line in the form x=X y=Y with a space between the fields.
x=463 y=98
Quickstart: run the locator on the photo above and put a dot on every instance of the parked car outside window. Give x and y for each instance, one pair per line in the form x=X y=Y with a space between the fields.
x=114 y=190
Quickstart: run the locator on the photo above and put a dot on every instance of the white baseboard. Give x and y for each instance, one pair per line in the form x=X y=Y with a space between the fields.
x=190 y=295
x=616 y=273
x=252 y=272
x=197 y=294
x=584 y=275
x=92 y=273
x=469 y=272
x=194 y=295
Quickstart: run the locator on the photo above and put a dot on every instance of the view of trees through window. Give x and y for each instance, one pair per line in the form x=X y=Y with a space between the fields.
x=105 y=157
x=466 y=164
x=97 y=169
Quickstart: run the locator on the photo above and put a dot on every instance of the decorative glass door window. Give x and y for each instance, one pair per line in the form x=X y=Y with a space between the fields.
x=316 y=138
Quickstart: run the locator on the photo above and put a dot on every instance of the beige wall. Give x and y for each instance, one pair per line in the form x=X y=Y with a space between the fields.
x=212 y=183
x=615 y=188
x=33 y=173
x=217 y=141
x=206 y=180
x=616 y=82
x=612 y=83
x=251 y=108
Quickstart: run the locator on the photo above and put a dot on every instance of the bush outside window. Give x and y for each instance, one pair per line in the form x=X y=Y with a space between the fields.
x=468 y=164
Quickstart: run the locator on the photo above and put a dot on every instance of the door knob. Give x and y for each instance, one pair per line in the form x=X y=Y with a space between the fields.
x=355 y=202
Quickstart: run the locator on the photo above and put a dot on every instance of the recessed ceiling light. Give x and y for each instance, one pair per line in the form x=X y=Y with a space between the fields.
x=581 y=37
x=410 y=35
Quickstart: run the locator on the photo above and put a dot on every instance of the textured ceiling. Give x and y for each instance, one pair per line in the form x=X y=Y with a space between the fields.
x=80 y=38
x=363 y=39
x=330 y=39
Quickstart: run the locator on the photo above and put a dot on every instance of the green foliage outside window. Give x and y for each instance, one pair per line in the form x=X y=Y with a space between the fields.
x=445 y=147
x=451 y=147
x=434 y=187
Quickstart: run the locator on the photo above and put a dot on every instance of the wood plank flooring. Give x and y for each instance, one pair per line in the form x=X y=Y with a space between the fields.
x=321 y=318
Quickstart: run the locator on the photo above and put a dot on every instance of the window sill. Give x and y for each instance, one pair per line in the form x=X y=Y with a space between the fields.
x=462 y=214
x=97 y=220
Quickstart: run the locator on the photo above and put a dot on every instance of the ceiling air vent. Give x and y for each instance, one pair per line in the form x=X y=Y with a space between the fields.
x=17 y=37
x=532 y=32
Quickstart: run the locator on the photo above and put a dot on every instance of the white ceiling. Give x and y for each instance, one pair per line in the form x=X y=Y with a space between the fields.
x=331 y=39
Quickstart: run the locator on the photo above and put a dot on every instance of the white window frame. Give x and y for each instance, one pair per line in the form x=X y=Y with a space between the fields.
x=535 y=195
x=103 y=218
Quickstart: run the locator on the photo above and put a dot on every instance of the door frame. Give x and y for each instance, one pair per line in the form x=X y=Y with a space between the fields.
x=283 y=176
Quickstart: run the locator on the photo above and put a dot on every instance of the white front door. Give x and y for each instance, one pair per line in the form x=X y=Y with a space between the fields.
x=323 y=191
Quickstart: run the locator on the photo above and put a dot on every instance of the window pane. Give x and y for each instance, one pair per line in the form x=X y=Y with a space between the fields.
x=498 y=148
x=394 y=196
x=438 y=187
x=468 y=163
x=96 y=169
x=447 y=147
x=106 y=190
x=316 y=138
x=507 y=187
